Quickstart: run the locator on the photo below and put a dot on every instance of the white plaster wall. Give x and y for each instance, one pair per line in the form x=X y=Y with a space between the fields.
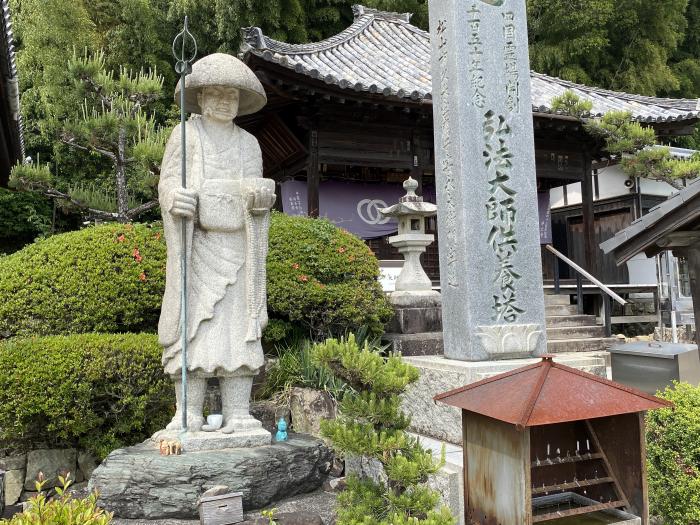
x=611 y=183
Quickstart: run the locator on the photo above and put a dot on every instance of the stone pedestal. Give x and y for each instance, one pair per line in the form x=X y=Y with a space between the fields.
x=138 y=483
x=438 y=375
x=199 y=441
x=416 y=328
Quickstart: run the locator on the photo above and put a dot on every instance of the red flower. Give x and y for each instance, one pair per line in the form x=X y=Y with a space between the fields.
x=303 y=278
x=342 y=249
x=136 y=255
x=121 y=238
x=157 y=236
x=142 y=277
x=295 y=266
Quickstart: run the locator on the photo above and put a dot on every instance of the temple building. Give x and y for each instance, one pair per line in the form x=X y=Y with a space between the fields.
x=350 y=117
x=11 y=136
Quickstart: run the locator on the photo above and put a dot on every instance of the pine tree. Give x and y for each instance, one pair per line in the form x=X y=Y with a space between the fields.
x=111 y=123
x=372 y=426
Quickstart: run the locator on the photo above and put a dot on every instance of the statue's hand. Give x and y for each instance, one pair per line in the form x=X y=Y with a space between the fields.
x=260 y=200
x=184 y=203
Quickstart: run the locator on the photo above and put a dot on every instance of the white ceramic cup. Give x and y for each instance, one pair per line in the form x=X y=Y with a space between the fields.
x=215 y=421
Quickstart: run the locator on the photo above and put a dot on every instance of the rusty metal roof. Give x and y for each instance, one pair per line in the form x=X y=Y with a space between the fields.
x=382 y=53
x=546 y=393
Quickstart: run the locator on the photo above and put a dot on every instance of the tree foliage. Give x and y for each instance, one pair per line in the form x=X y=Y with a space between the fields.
x=658 y=164
x=112 y=123
x=639 y=46
x=620 y=133
x=571 y=104
x=626 y=45
x=372 y=426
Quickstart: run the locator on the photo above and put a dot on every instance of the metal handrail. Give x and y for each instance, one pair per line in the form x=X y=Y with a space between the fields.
x=585 y=274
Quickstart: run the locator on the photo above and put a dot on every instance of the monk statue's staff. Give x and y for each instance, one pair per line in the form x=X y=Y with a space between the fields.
x=183 y=67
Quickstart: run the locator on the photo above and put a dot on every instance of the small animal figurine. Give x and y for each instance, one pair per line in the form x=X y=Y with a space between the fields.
x=281 y=430
x=170 y=448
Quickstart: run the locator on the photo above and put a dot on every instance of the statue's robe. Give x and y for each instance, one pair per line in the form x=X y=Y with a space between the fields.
x=218 y=269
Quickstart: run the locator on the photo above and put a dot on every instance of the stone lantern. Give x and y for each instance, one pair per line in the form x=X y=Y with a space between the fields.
x=416 y=328
x=412 y=240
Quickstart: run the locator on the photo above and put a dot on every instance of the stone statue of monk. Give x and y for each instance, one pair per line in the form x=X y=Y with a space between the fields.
x=226 y=207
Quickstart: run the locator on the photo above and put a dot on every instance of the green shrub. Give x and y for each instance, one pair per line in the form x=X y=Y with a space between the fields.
x=296 y=366
x=372 y=425
x=97 y=392
x=61 y=510
x=323 y=278
x=111 y=279
x=673 y=452
x=104 y=279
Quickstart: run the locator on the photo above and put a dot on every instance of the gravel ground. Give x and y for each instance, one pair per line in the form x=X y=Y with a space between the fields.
x=319 y=502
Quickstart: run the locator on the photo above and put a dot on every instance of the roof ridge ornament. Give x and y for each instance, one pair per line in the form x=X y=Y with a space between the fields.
x=359 y=10
x=254 y=37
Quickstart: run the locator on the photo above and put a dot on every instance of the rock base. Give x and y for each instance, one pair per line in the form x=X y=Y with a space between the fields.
x=199 y=441
x=138 y=483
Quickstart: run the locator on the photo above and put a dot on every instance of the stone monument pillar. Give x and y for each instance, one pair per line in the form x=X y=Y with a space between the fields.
x=490 y=266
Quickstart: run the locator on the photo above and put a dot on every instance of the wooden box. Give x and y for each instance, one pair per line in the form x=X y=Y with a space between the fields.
x=225 y=509
x=546 y=443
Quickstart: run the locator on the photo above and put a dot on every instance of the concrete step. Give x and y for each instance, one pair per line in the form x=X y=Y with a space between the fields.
x=575 y=332
x=560 y=309
x=592 y=344
x=426 y=343
x=570 y=320
x=554 y=300
x=591 y=362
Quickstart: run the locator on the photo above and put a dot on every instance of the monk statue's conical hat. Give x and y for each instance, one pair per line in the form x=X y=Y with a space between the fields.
x=220 y=69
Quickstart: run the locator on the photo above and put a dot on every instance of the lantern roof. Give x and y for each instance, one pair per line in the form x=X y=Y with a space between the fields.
x=410 y=204
x=546 y=393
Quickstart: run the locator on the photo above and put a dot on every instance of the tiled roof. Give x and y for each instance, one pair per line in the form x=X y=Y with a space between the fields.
x=8 y=70
x=673 y=203
x=383 y=53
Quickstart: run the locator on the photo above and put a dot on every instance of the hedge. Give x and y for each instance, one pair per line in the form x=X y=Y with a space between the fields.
x=673 y=452
x=111 y=278
x=97 y=392
x=323 y=278
x=100 y=279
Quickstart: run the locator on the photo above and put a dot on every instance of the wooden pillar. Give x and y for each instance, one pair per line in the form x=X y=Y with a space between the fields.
x=416 y=164
x=312 y=175
x=590 y=249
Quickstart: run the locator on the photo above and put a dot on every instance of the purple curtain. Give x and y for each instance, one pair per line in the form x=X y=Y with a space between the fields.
x=353 y=206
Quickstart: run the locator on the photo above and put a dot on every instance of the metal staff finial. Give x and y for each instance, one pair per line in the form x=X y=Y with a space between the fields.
x=183 y=67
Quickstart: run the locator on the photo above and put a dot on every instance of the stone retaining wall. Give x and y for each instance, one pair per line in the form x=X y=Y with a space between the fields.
x=22 y=470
